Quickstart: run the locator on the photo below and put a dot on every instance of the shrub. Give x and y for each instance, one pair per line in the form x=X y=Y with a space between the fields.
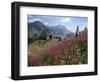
x=70 y=51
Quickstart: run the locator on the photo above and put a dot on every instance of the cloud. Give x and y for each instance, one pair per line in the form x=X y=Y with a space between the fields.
x=45 y=23
x=34 y=19
x=37 y=19
x=66 y=19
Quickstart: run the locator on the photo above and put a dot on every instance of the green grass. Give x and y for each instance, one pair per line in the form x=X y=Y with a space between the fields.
x=39 y=45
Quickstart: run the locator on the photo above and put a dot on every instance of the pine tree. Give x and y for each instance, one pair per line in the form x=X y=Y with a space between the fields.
x=50 y=36
x=85 y=28
x=59 y=38
x=77 y=31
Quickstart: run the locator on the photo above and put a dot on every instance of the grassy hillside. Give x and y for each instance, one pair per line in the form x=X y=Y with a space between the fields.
x=53 y=52
x=38 y=46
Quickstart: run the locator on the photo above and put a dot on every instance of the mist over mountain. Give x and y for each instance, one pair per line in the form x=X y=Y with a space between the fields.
x=37 y=29
x=60 y=30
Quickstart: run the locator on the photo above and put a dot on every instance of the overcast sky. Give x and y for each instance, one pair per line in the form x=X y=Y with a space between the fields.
x=69 y=22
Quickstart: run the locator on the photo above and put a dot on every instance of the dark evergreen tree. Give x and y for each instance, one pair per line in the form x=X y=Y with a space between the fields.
x=85 y=28
x=77 y=31
x=50 y=36
x=45 y=38
x=59 y=38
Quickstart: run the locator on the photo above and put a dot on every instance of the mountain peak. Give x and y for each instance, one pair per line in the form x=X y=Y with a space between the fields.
x=39 y=28
x=38 y=22
x=60 y=25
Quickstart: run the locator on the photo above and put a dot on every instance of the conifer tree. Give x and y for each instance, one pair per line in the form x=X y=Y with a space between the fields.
x=77 y=31
x=85 y=28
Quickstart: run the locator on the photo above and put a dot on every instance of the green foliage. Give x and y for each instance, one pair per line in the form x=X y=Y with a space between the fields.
x=47 y=60
x=83 y=52
x=67 y=52
x=59 y=38
x=30 y=40
x=50 y=36
x=69 y=56
x=68 y=61
x=84 y=58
